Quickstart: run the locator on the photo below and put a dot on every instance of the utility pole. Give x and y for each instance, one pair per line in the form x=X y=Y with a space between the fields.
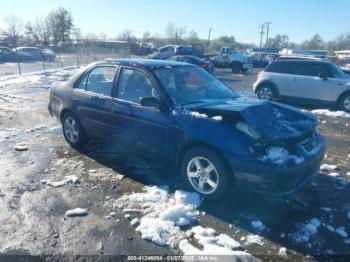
x=262 y=27
x=267 y=24
x=210 y=29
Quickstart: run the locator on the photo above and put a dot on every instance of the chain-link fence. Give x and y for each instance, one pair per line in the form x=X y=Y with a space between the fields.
x=67 y=57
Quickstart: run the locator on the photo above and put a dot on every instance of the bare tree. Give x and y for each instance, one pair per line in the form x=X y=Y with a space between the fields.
x=170 y=32
x=41 y=31
x=192 y=37
x=127 y=35
x=146 y=36
x=175 y=34
x=13 y=29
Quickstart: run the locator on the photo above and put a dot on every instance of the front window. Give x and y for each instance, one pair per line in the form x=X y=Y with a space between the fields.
x=336 y=71
x=190 y=84
x=133 y=85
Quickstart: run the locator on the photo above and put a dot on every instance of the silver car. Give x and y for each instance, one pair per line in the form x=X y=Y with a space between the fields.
x=313 y=82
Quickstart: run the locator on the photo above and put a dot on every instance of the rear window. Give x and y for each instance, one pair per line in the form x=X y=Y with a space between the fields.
x=281 y=68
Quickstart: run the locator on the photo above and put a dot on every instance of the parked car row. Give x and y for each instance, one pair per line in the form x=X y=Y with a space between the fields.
x=23 y=54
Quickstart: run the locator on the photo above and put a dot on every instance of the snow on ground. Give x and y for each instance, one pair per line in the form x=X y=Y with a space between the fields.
x=67 y=179
x=327 y=167
x=76 y=212
x=254 y=240
x=327 y=112
x=171 y=220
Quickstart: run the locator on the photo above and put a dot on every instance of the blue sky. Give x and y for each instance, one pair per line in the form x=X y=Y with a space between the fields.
x=299 y=19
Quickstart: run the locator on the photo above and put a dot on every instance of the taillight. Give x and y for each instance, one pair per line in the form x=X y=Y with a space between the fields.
x=205 y=65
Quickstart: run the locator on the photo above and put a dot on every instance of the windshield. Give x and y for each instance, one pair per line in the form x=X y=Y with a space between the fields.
x=191 y=84
x=336 y=71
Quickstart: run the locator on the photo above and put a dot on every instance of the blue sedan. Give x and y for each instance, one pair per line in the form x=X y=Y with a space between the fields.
x=182 y=115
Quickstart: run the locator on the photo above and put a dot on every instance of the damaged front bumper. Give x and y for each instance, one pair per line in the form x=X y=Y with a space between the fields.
x=277 y=179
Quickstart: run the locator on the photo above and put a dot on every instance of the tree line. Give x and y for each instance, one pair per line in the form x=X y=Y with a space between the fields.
x=58 y=27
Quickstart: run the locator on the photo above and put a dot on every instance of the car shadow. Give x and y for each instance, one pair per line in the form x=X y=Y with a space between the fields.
x=283 y=216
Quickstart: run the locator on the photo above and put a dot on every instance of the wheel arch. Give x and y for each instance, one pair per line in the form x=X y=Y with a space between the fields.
x=341 y=96
x=270 y=83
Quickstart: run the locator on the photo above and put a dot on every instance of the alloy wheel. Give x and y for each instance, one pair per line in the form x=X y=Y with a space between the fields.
x=265 y=93
x=202 y=175
x=71 y=130
x=346 y=103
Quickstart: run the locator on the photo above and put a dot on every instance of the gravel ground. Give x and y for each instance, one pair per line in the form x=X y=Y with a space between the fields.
x=33 y=219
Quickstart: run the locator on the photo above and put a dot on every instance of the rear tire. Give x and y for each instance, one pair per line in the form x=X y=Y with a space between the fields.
x=344 y=102
x=266 y=92
x=73 y=131
x=204 y=172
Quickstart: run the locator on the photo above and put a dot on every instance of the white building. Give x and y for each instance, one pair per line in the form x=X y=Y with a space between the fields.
x=315 y=53
x=343 y=54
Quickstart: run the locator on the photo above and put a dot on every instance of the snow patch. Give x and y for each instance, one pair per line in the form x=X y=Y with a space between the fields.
x=327 y=167
x=282 y=251
x=66 y=180
x=254 y=240
x=279 y=155
x=21 y=147
x=198 y=115
x=76 y=212
x=327 y=112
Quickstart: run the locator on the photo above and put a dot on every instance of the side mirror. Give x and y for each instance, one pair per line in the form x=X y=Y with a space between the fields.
x=323 y=76
x=151 y=101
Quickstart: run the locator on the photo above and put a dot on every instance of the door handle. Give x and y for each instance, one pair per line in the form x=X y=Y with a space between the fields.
x=75 y=100
x=295 y=79
x=340 y=84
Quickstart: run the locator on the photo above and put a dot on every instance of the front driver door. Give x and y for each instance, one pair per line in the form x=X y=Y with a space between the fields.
x=149 y=127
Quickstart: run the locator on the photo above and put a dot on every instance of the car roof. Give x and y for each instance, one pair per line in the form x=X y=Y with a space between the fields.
x=300 y=61
x=143 y=63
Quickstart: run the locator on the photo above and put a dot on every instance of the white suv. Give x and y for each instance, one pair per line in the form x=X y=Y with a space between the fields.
x=313 y=82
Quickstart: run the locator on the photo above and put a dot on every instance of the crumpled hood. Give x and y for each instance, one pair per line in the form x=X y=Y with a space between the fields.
x=272 y=120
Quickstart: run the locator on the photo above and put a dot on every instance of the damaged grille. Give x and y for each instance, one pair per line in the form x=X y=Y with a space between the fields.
x=310 y=143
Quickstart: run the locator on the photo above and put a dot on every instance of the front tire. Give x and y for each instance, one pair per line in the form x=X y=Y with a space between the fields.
x=205 y=172
x=344 y=102
x=266 y=92
x=73 y=131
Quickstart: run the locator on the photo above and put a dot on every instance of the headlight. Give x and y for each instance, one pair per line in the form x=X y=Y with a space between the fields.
x=248 y=130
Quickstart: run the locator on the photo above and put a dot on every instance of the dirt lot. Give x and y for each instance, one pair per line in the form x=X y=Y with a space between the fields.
x=313 y=224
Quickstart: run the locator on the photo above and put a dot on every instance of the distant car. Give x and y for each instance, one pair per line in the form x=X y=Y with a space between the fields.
x=8 y=55
x=311 y=81
x=231 y=58
x=168 y=51
x=36 y=54
x=181 y=115
x=207 y=65
x=48 y=54
x=164 y=52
